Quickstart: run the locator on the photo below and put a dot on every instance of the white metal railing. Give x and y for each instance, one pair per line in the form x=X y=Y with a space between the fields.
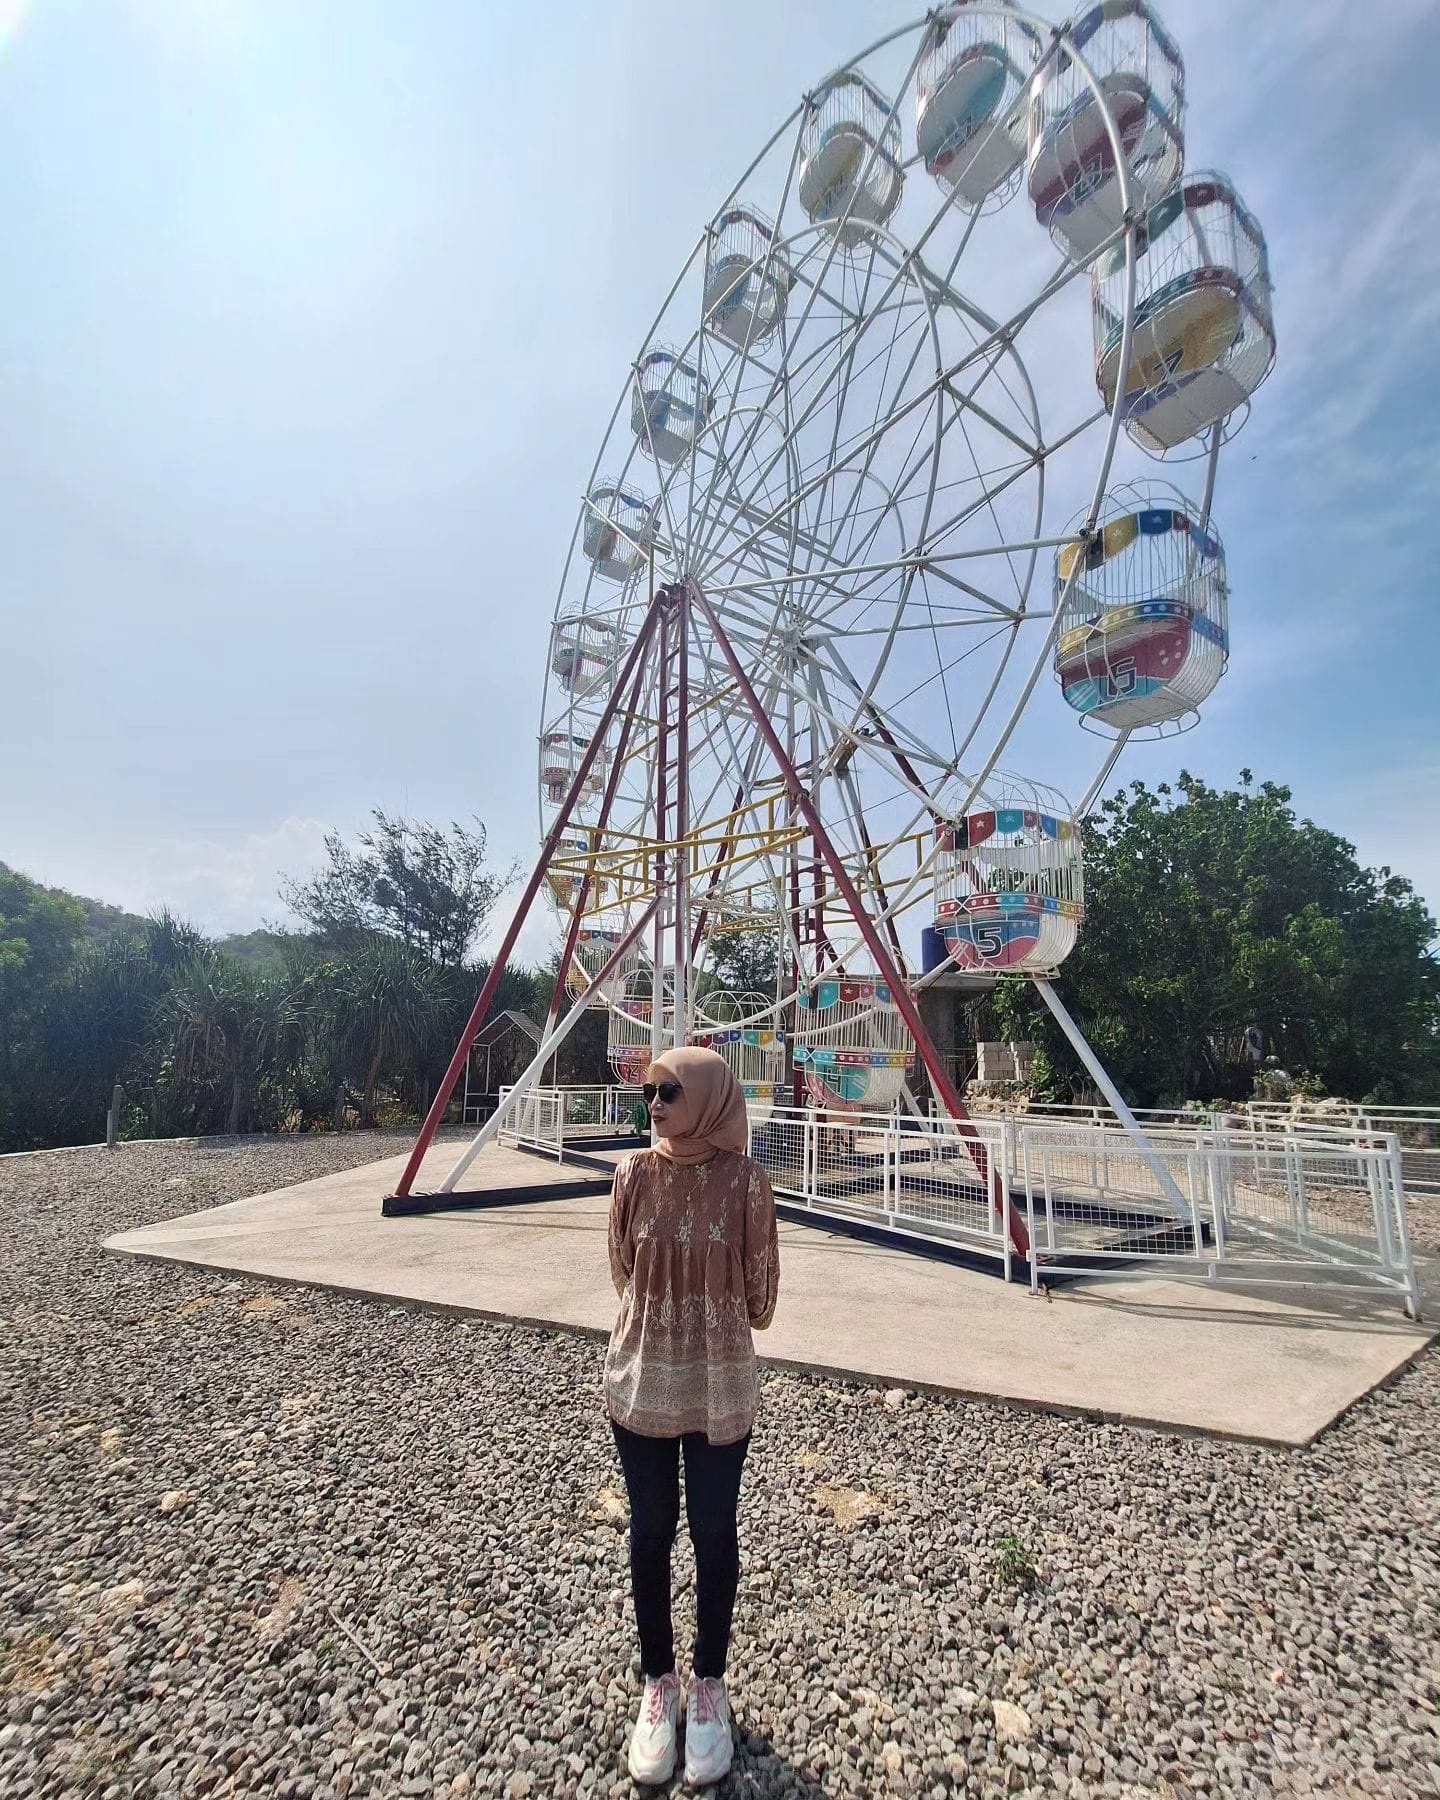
x=1215 y=1197
x=1291 y=1210
x=913 y=1176
x=597 y=1110
x=535 y=1121
x=1417 y=1129
x=1207 y=1197
x=1097 y=1114
x=547 y=1118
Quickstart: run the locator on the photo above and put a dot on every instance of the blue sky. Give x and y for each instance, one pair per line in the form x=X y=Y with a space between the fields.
x=314 y=311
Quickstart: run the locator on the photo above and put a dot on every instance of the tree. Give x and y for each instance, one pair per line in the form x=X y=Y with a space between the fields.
x=408 y=880
x=1209 y=912
x=102 y=921
x=228 y=1028
x=387 y=999
x=746 y=962
x=39 y=930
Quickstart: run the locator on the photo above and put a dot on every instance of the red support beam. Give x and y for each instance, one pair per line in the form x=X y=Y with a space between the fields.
x=935 y=1066
x=607 y=801
x=902 y=761
x=682 y=807
x=665 y=600
x=532 y=887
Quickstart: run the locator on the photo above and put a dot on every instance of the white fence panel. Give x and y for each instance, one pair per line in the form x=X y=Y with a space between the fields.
x=1247 y=1198
x=535 y=1120
x=1273 y=1208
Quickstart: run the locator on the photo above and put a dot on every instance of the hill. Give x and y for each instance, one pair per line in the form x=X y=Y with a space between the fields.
x=257 y=947
x=103 y=922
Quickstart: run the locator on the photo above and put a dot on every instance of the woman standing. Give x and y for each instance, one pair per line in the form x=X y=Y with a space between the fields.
x=695 y=1257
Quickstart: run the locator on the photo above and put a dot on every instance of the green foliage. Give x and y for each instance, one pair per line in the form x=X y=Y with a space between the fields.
x=40 y=934
x=408 y=880
x=1014 y=1565
x=1046 y=1081
x=225 y=1031
x=261 y=948
x=296 y=1032
x=39 y=929
x=102 y=921
x=1211 y=911
x=746 y=962
x=1208 y=912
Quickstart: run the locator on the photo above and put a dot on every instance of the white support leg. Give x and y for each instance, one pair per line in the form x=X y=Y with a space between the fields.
x=1101 y=1077
x=912 y=1105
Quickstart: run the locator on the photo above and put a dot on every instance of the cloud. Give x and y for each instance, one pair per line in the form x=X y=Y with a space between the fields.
x=229 y=886
x=224 y=884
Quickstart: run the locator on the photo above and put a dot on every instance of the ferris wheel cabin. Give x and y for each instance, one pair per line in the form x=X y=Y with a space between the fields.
x=1143 y=627
x=629 y=1042
x=850 y=173
x=580 y=648
x=669 y=406
x=747 y=279
x=619 y=528
x=741 y=1028
x=1204 y=333
x=594 y=947
x=1009 y=886
x=971 y=116
x=852 y=1044
x=1072 y=172
x=565 y=882
x=561 y=753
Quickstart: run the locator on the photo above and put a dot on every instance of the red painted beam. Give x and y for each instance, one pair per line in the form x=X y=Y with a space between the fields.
x=502 y=955
x=934 y=1063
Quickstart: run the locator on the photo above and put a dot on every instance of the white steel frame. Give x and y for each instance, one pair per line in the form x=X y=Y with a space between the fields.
x=696 y=520
x=820 y=616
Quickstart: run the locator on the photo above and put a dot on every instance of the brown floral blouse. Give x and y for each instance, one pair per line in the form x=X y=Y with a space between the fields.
x=695 y=1257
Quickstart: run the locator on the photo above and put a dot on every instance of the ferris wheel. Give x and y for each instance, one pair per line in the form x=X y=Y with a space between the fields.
x=857 y=513
x=842 y=441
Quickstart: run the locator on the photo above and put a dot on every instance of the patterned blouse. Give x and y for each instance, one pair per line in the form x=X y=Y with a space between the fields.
x=695 y=1257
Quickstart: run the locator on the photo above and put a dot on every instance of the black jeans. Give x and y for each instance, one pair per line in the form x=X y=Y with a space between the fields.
x=712 y=1493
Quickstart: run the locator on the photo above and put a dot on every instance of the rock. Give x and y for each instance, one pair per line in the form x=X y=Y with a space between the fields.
x=611 y=1508
x=125 y=1596
x=1012 y=1723
x=174 y=1498
x=439 y=1486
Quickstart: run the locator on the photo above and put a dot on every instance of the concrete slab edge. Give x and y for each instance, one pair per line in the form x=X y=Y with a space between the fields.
x=1403 y=1367
x=856 y=1378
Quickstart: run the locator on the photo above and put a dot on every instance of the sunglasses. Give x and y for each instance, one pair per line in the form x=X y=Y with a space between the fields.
x=668 y=1091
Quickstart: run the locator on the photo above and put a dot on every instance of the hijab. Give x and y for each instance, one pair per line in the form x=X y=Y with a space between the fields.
x=710 y=1112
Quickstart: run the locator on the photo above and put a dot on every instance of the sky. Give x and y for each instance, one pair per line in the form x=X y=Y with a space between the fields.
x=313 y=315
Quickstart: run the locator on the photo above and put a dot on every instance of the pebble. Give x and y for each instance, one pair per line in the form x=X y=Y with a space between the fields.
x=1012 y=1723
x=394 y=1556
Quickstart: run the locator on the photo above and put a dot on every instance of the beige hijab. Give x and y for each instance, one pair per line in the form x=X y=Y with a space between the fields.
x=710 y=1112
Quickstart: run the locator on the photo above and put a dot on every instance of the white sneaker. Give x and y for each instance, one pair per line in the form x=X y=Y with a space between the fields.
x=652 y=1742
x=708 y=1746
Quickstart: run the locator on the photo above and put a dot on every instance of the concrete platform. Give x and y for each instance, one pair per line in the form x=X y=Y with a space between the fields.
x=1263 y=1365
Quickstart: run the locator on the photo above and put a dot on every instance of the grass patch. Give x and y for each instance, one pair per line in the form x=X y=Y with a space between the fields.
x=1015 y=1567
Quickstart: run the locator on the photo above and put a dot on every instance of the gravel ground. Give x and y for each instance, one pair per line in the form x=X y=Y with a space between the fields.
x=278 y=1542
